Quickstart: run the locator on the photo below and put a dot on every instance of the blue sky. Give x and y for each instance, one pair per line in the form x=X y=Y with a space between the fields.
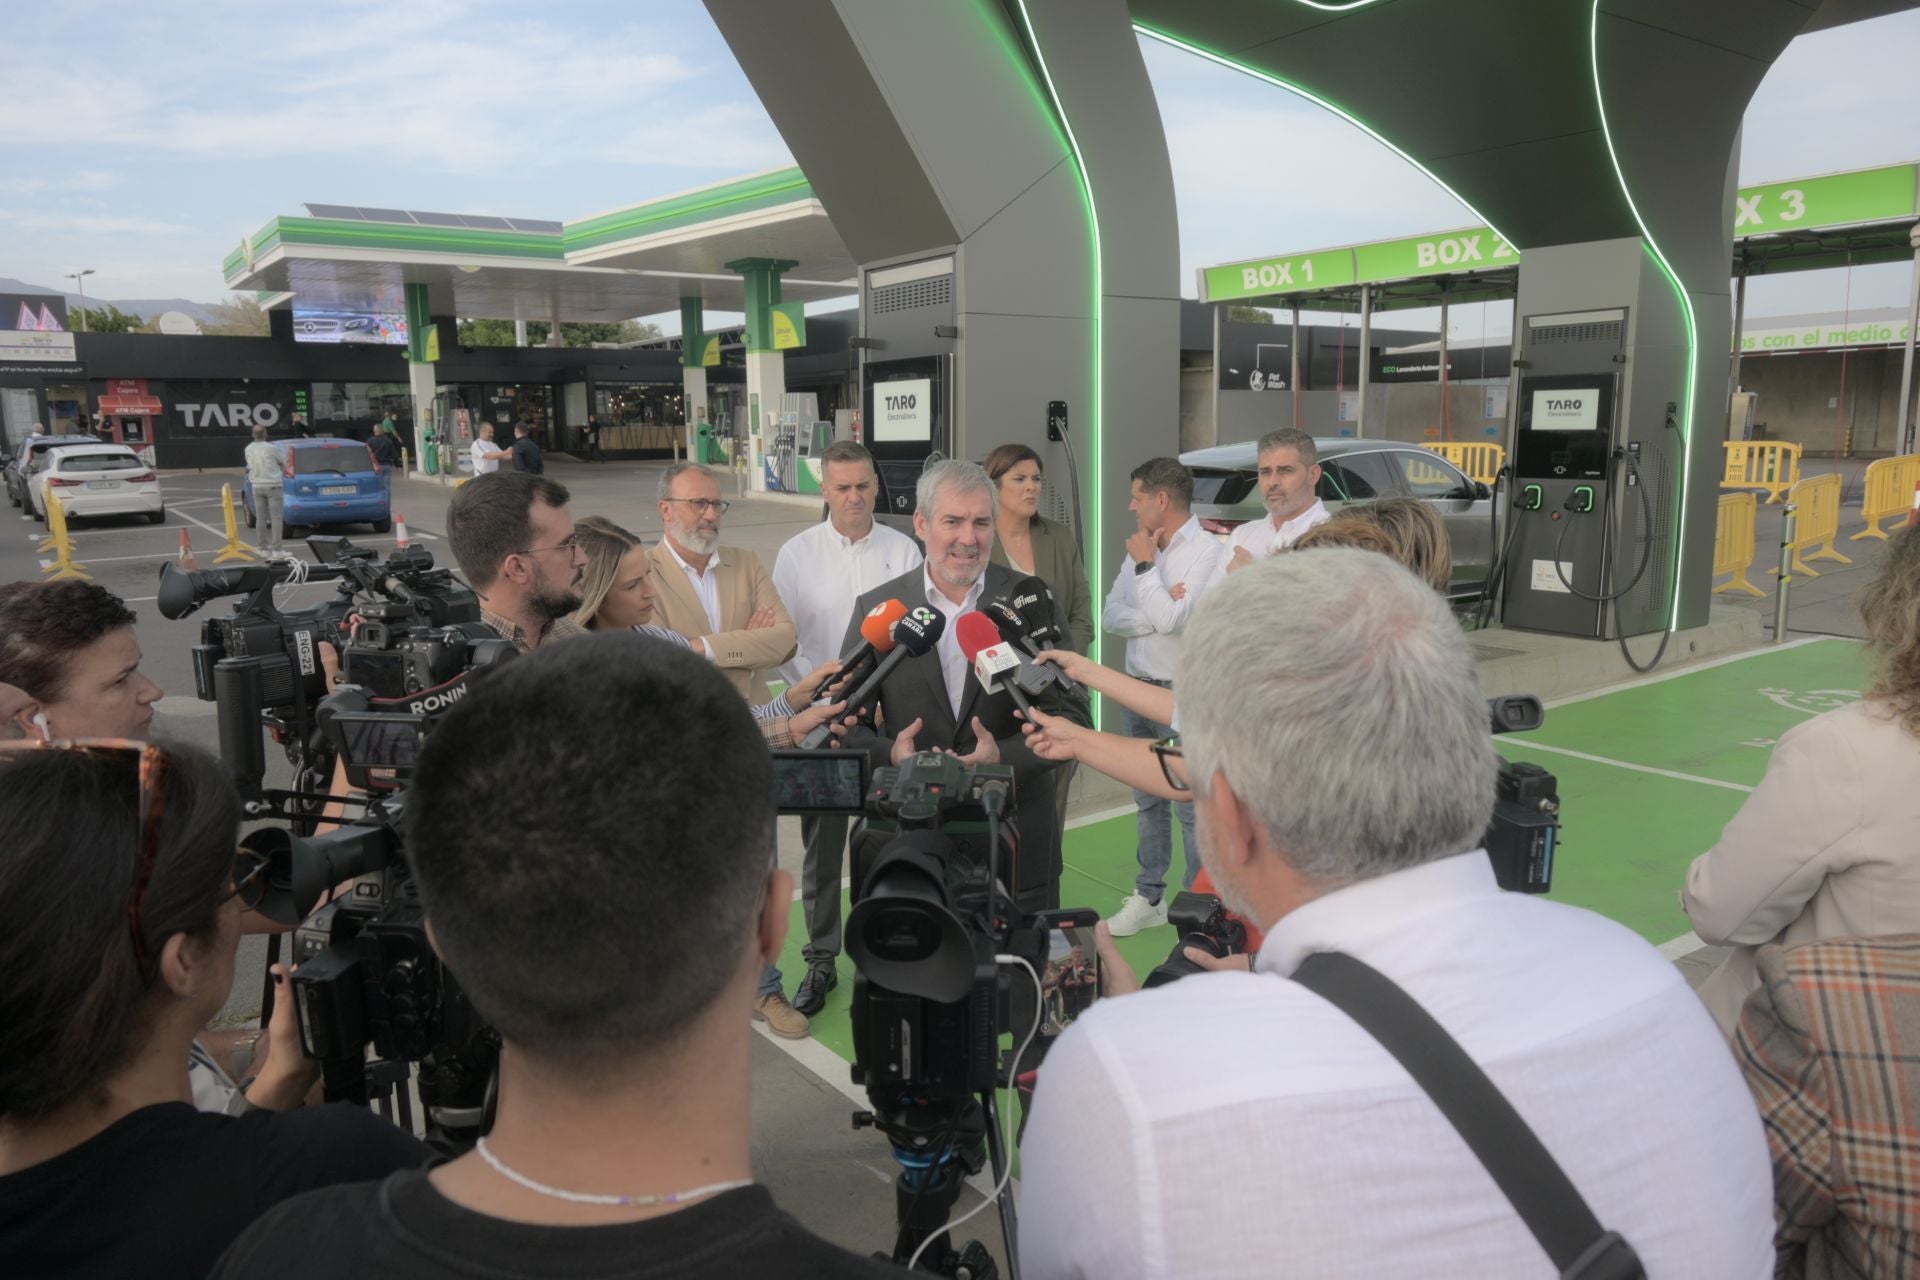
x=146 y=139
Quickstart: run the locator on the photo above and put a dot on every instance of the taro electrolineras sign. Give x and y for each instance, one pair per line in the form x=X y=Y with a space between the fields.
x=1566 y=409
x=224 y=409
x=903 y=411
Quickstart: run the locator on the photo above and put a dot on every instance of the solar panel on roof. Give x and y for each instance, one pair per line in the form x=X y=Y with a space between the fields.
x=385 y=215
x=438 y=219
x=475 y=221
x=346 y=212
x=539 y=225
x=483 y=222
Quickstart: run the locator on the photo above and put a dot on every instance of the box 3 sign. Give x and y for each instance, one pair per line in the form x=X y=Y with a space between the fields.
x=1871 y=195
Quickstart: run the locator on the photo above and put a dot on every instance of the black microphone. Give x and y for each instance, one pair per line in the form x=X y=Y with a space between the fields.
x=1013 y=628
x=913 y=635
x=1035 y=601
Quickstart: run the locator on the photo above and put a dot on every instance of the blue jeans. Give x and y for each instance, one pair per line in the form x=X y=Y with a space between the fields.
x=771 y=983
x=1155 y=827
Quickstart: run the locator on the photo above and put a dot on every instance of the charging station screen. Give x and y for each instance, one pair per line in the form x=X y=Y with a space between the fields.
x=1566 y=409
x=903 y=411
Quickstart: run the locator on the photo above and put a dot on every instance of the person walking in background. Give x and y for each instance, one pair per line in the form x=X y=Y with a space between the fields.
x=1170 y=561
x=266 y=468
x=385 y=446
x=592 y=434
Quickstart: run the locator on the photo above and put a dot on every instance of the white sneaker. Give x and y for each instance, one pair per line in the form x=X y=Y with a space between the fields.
x=1135 y=914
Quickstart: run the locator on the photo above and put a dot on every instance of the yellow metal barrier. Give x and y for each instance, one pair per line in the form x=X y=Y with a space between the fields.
x=1889 y=485
x=1818 y=501
x=1481 y=462
x=1773 y=465
x=1733 y=548
x=60 y=541
x=235 y=549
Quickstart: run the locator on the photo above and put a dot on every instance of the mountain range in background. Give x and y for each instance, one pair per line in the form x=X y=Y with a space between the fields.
x=145 y=308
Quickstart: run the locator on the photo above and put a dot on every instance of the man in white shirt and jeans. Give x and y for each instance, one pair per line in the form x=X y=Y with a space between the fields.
x=1236 y=1123
x=1289 y=465
x=486 y=454
x=266 y=467
x=819 y=574
x=1170 y=560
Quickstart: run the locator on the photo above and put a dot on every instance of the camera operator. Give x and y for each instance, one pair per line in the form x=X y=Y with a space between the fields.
x=934 y=701
x=513 y=538
x=120 y=908
x=70 y=647
x=584 y=920
x=1337 y=744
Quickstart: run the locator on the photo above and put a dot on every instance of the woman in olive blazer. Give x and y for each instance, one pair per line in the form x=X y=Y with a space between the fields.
x=1028 y=543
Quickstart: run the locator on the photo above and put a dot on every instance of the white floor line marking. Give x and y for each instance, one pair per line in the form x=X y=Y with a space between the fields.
x=1708 y=665
x=1105 y=815
x=1741 y=787
x=155 y=555
x=1684 y=945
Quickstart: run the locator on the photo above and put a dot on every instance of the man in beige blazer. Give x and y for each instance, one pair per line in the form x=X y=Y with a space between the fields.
x=721 y=598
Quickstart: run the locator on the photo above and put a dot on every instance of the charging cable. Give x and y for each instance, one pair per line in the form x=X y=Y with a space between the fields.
x=1646 y=545
x=1006 y=1146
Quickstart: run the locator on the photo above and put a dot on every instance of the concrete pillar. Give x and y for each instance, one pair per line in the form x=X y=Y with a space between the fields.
x=421 y=352
x=1905 y=434
x=1293 y=351
x=1739 y=327
x=693 y=373
x=1446 y=383
x=553 y=331
x=519 y=333
x=766 y=367
x=1366 y=355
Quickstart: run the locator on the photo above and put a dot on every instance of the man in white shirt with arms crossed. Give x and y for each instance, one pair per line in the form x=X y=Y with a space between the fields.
x=1170 y=560
x=1236 y=1123
x=818 y=575
x=1289 y=483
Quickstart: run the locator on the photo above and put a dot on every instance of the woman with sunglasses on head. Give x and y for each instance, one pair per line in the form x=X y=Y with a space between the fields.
x=120 y=905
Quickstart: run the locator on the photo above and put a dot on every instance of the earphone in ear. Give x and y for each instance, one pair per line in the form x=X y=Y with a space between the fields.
x=40 y=723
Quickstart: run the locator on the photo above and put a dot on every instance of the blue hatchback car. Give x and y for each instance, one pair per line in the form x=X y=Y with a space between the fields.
x=330 y=481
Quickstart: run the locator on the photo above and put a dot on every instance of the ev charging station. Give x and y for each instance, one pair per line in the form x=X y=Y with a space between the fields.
x=909 y=325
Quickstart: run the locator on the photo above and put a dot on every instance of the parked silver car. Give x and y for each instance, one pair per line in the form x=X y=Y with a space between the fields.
x=1226 y=494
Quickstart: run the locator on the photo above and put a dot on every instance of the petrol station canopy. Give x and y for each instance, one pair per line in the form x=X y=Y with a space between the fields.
x=640 y=260
x=1831 y=220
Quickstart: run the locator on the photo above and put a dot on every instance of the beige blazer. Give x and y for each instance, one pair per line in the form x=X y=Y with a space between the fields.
x=1825 y=847
x=743 y=656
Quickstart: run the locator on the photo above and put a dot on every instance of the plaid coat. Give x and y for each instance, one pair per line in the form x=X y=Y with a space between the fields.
x=1831 y=1048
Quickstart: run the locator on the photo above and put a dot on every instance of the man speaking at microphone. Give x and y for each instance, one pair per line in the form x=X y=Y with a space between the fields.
x=818 y=575
x=934 y=701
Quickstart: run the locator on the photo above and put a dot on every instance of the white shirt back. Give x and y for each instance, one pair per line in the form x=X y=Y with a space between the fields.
x=819 y=574
x=266 y=464
x=1237 y=1124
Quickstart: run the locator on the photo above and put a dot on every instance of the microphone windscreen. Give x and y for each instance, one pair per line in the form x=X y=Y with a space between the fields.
x=1007 y=619
x=1034 y=599
x=976 y=632
x=877 y=628
x=920 y=630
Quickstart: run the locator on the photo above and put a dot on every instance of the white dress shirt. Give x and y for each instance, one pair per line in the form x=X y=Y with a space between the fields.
x=483 y=465
x=820 y=573
x=266 y=464
x=1235 y=1124
x=1262 y=537
x=1141 y=605
x=953 y=662
x=705 y=582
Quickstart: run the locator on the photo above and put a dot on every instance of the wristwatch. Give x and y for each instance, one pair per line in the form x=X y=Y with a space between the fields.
x=1141 y=566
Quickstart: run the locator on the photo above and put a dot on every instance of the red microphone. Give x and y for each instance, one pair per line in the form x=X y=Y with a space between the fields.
x=991 y=656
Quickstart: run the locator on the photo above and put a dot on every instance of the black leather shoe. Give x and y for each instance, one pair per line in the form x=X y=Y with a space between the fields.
x=811 y=998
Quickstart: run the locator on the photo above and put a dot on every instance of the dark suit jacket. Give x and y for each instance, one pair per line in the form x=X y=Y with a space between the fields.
x=917 y=690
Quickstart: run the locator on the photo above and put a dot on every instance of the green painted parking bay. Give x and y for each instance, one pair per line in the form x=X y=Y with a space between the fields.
x=1649 y=773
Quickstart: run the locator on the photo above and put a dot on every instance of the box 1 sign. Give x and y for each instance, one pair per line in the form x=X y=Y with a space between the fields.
x=1264 y=276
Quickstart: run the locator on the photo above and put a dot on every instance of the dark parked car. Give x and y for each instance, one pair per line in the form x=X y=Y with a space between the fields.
x=1226 y=494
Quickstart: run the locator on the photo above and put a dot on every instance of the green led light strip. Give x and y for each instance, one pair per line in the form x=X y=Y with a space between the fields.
x=1098 y=540
x=1220 y=59
x=1686 y=310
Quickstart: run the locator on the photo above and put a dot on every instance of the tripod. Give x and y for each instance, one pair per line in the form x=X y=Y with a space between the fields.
x=938 y=1150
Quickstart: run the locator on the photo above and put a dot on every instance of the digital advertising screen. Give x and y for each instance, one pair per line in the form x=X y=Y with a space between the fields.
x=376 y=328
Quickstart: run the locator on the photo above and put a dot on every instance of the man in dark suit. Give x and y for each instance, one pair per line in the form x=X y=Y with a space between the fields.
x=935 y=702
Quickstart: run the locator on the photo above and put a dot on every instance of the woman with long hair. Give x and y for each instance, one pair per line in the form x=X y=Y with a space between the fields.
x=121 y=896
x=1029 y=543
x=1828 y=845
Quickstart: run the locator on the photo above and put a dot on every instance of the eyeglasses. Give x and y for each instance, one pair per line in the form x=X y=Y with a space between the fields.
x=714 y=505
x=1173 y=762
x=249 y=878
x=572 y=544
x=152 y=806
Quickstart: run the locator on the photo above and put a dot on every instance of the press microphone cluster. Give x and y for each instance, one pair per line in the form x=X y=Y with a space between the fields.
x=1029 y=622
x=998 y=665
x=876 y=640
x=915 y=632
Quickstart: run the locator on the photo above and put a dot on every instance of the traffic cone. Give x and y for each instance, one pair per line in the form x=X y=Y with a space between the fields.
x=186 y=559
x=399 y=532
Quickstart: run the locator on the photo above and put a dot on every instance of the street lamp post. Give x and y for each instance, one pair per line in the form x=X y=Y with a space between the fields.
x=79 y=278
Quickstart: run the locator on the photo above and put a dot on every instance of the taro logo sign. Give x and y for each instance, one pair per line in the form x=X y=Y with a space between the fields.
x=229 y=417
x=228 y=409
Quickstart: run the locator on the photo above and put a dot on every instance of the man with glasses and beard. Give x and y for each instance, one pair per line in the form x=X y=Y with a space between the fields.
x=721 y=598
x=513 y=538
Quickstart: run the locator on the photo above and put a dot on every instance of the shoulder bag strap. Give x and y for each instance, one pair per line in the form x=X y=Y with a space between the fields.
x=1549 y=1203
